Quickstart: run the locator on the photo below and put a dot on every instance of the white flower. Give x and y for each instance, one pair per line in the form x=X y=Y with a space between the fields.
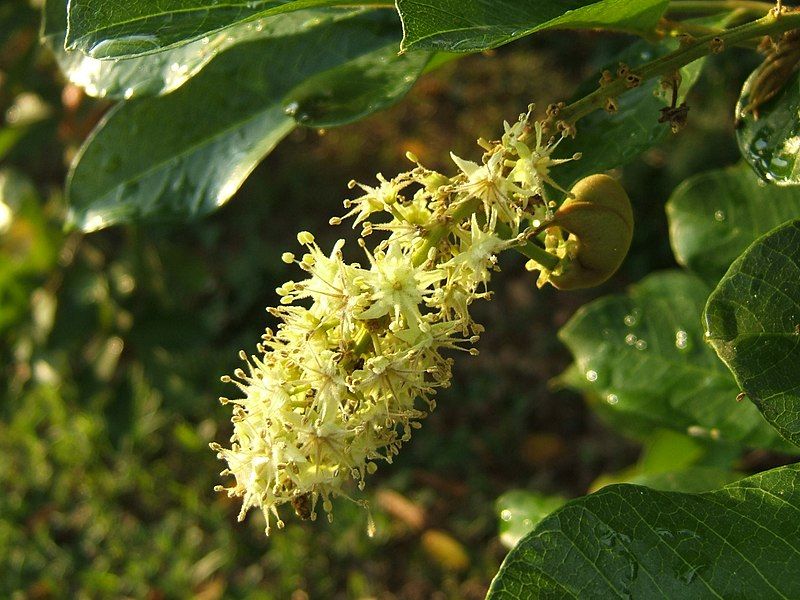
x=477 y=253
x=488 y=183
x=398 y=287
x=532 y=169
x=376 y=199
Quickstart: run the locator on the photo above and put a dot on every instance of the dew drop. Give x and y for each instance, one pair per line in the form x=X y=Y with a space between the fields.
x=640 y=344
x=681 y=339
x=612 y=399
x=690 y=575
x=591 y=375
x=664 y=533
x=630 y=339
x=505 y=515
x=719 y=215
x=630 y=320
x=779 y=162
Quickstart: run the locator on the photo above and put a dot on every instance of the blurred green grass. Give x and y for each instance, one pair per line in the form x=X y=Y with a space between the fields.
x=113 y=343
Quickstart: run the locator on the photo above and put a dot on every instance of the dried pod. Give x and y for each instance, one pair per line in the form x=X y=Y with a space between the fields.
x=600 y=220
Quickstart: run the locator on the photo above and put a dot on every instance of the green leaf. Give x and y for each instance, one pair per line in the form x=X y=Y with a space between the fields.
x=476 y=25
x=715 y=215
x=184 y=154
x=771 y=142
x=668 y=450
x=152 y=74
x=520 y=511
x=643 y=353
x=628 y=541
x=753 y=322
x=674 y=462
x=105 y=29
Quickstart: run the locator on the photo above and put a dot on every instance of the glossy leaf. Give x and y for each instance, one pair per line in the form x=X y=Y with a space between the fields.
x=475 y=25
x=628 y=541
x=520 y=511
x=770 y=139
x=105 y=29
x=643 y=353
x=184 y=154
x=150 y=75
x=753 y=322
x=715 y=215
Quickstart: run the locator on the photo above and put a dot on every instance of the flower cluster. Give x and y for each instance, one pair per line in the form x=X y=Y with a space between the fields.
x=353 y=365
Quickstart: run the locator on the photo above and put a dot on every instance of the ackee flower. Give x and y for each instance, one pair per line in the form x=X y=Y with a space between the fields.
x=354 y=363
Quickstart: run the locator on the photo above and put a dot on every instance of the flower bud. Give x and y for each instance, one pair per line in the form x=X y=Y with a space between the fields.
x=599 y=219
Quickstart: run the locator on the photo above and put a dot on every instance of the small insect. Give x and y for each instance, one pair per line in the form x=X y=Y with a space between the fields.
x=302 y=505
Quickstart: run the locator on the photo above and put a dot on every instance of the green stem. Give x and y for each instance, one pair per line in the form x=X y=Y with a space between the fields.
x=529 y=249
x=707 y=6
x=439 y=232
x=677 y=28
x=702 y=46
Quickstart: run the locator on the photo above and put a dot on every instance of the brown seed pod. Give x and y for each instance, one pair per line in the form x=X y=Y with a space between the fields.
x=600 y=220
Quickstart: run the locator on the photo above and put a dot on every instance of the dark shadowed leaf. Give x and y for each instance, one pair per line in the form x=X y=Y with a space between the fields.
x=715 y=215
x=628 y=541
x=184 y=154
x=753 y=322
x=475 y=25
x=644 y=355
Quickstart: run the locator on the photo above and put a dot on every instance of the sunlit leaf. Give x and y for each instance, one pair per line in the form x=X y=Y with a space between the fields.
x=151 y=74
x=104 y=29
x=520 y=511
x=184 y=154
